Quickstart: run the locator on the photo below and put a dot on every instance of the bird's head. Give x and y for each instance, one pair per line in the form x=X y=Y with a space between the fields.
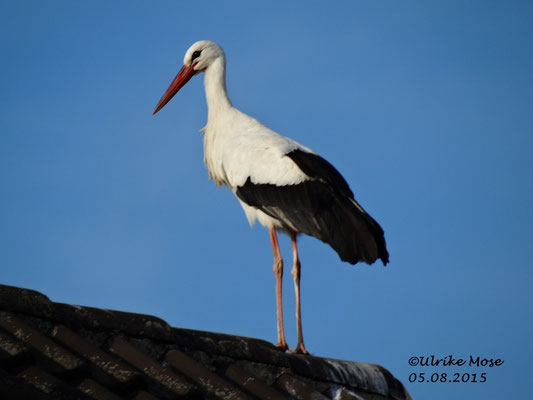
x=197 y=59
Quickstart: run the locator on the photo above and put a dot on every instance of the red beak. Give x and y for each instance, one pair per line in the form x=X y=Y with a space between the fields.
x=179 y=81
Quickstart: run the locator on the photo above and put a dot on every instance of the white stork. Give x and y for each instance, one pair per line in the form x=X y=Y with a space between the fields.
x=280 y=183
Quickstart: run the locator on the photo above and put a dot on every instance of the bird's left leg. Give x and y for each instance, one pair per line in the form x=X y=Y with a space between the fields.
x=295 y=272
x=278 y=273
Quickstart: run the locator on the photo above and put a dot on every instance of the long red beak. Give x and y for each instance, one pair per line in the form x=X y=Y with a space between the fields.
x=179 y=81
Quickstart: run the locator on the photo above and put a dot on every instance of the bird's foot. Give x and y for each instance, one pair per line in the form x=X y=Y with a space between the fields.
x=300 y=349
x=282 y=346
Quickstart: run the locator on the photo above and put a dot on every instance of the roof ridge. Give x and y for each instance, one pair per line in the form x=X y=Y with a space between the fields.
x=76 y=341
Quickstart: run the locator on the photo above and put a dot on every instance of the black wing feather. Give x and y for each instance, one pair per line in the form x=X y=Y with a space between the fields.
x=323 y=207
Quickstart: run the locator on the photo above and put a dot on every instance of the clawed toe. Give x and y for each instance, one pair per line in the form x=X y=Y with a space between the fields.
x=300 y=349
x=283 y=347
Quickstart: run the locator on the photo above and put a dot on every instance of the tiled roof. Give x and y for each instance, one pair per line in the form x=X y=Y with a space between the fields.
x=59 y=351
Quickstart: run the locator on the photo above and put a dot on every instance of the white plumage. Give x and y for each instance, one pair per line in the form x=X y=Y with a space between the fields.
x=278 y=182
x=245 y=148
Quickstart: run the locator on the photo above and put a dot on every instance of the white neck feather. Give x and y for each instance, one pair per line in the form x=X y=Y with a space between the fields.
x=218 y=107
x=215 y=89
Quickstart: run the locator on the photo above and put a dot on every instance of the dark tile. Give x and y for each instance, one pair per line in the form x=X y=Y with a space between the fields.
x=298 y=389
x=42 y=344
x=128 y=323
x=209 y=381
x=50 y=385
x=340 y=393
x=232 y=346
x=25 y=301
x=253 y=385
x=13 y=387
x=96 y=391
x=101 y=359
x=396 y=390
x=11 y=349
x=151 y=367
x=143 y=396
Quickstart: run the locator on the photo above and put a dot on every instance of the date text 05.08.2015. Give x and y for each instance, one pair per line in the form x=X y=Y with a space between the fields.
x=443 y=377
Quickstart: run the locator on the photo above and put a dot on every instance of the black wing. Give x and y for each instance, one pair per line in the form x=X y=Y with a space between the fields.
x=323 y=207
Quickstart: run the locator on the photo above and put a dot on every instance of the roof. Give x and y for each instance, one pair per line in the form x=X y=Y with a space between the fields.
x=52 y=350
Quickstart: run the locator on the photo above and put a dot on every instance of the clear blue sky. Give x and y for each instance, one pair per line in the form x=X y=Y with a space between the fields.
x=424 y=107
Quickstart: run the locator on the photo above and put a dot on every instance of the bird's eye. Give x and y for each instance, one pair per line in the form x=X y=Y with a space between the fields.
x=196 y=54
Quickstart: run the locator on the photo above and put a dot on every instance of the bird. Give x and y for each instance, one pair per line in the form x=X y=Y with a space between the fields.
x=281 y=184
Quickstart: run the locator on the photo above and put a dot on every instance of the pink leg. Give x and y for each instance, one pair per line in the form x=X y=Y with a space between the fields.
x=295 y=272
x=278 y=273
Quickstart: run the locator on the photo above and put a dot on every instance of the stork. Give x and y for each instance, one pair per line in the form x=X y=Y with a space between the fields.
x=278 y=182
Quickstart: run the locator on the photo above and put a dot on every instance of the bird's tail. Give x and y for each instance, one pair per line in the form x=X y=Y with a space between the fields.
x=357 y=236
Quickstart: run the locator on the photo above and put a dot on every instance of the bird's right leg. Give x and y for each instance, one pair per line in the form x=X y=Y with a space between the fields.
x=278 y=273
x=295 y=272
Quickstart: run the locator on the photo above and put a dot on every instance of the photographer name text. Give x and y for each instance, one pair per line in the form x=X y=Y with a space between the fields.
x=451 y=361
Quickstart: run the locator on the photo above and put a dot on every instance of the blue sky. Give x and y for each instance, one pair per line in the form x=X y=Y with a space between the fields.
x=424 y=107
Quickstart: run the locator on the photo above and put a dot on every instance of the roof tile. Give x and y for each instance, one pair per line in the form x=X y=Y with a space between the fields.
x=96 y=391
x=254 y=385
x=298 y=389
x=150 y=367
x=12 y=347
x=128 y=323
x=25 y=301
x=24 y=332
x=111 y=365
x=340 y=393
x=143 y=396
x=13 y=387
x=50 y=385
x=208 y=380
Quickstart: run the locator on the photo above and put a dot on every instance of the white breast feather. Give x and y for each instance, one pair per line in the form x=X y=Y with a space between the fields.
x=238 y=147
x=246 y=148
